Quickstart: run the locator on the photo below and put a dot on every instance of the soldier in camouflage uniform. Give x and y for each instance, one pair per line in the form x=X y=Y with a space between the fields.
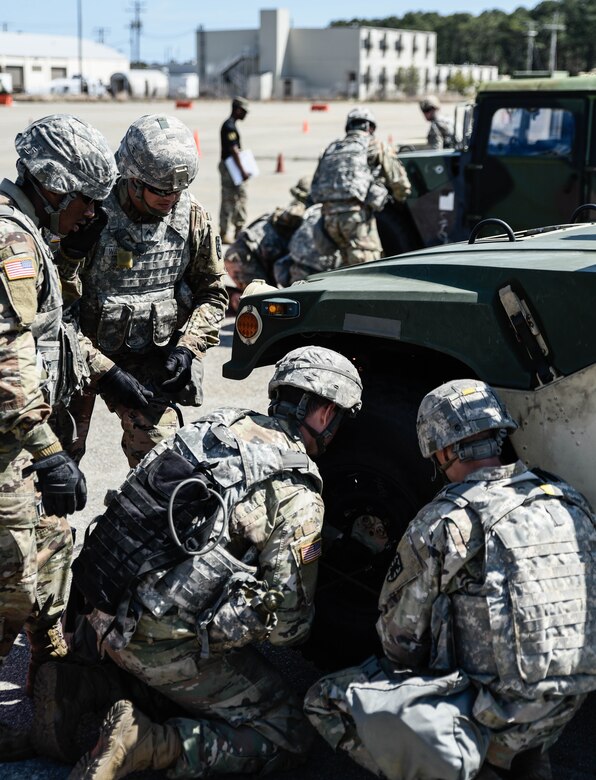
x=354 y=178
x=441 y=131
x=188 y=630
x=232 y=213
x=64 y=166
x=494 y=580
x=258 y=246
x=152 y=290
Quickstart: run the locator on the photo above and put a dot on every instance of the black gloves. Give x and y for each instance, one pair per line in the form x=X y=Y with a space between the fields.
x=119 y=387
x=78 y=243
x=61 y=482
x=178 y=367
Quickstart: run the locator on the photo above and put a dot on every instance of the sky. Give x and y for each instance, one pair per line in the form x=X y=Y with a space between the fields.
x=168 y=26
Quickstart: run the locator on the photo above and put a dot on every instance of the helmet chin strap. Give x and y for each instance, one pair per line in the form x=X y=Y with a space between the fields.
x=298 y=412
x=139 y=189
x=53 y=211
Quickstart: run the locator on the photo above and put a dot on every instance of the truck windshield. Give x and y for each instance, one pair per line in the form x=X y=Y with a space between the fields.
x=527 y=132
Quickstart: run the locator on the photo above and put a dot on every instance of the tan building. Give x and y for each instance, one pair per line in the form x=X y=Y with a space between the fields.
x=278 y=60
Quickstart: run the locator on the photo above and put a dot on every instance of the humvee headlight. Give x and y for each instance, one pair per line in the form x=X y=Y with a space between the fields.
x=280 y=307
x=249 y=324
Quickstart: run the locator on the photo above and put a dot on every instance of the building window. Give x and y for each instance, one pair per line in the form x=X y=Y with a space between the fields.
x=366 y=43
x=58 y=73
x=382 y=78
x=398 y=45
x=414 y=45
x=429 y=46
x=351 y=76
x=383 y=44
x=366 y=78
x=36 y=68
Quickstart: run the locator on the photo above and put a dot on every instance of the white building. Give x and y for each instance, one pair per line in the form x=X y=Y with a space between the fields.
x=35 y=60
x=140 y=83
x=278 y=60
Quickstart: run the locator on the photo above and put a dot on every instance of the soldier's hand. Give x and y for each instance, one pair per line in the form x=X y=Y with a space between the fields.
x=79 y=243
x=178 y=367
x=119 y=387
x=62 y=483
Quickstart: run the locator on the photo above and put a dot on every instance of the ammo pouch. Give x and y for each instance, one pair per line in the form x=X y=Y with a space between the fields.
x=136 y=322
x=239 y=617
x=132 y=538
x=419 y=727
x=377 y=196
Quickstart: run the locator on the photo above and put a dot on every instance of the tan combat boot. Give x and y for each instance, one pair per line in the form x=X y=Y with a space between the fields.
x=47 y=644
x=128 y=742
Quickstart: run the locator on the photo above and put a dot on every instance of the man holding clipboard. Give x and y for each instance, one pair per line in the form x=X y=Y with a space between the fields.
x=234 y=170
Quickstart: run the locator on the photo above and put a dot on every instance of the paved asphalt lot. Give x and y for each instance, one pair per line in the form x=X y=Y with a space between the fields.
x=270 y=130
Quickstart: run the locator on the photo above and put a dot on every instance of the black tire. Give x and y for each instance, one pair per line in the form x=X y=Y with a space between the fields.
x=375 y=480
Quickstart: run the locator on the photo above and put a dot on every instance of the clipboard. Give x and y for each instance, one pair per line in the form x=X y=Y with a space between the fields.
x=248 y=163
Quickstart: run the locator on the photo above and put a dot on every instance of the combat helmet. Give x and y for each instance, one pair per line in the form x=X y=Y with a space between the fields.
x=159 y=151
x=457 y=410
x=360 y=118
x=301 y=190
x=65 y=155
x=316 y=371
x=430 y=103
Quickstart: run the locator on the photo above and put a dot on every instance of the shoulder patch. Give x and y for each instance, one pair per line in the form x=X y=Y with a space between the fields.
x=395 y=569
x=311 y=551
x=21 y=267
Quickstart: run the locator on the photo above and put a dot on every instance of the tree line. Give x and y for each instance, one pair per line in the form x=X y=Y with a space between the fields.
x=498 y=38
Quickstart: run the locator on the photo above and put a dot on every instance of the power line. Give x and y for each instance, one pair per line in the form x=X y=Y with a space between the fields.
x=136 y=26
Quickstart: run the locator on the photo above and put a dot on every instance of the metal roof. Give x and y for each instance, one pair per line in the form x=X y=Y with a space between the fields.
x=15 y=44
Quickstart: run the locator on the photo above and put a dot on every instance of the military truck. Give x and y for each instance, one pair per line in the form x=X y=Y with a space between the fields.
x=527 y=155
x=516 y=311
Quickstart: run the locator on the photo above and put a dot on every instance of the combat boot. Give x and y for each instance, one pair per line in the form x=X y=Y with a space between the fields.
x=128 y=742
x=70 y=703
x=15 y=745
x=47 y=644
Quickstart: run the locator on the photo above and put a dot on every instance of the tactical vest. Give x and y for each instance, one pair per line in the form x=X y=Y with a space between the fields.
x=130 y=299
x=311 y=247
x=57 y=345
x=239 y=449
x=536 y=607
x=263 y=240
x=343 y=172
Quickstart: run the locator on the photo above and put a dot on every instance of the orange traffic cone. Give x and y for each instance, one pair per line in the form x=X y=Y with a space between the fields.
x=197 y=142
x=280 y=168
x=390 y=139
x=305 y=127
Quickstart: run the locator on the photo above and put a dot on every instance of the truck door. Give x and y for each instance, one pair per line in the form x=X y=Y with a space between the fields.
x=527 y=159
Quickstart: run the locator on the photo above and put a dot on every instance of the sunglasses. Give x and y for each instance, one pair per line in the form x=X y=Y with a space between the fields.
x=161 y=193
x=86 y=199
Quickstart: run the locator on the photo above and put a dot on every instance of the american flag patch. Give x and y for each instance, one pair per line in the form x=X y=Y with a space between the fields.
x=19 y=268
x=310 y=552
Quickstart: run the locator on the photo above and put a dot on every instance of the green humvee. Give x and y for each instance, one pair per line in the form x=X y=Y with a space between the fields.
x=528 y=156
x=516 y=311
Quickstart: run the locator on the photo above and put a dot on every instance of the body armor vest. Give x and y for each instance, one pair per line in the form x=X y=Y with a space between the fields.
x=311 y=247
x=343 y=172
x=130 y=555
x=56 y=343
x=537 y=604
x=132 y=286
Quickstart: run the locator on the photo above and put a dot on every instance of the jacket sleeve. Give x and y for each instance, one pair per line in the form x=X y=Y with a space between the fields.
x=284 y=522
x=394 y=173
x=204 y=276
x=23 y=409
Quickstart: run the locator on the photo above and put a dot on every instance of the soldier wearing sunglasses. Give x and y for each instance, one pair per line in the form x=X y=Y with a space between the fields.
x=153 y=297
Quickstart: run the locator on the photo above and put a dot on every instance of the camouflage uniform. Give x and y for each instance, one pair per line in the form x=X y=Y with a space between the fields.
x=150 y=284
x=35 y=549
x=445 y=603
x=353 y=180
x=258 y=246
x=232 y=212
x=441 y=133
x=310 y=250
x=189 y=637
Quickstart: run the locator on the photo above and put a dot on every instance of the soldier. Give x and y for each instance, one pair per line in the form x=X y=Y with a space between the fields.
x=310 y=250
x=494 y=582
x=64 y=166
x=232 y=212
x=188 y=628
x=264 y=241
x=441 y=132
x=353 y=180
x=153 y=296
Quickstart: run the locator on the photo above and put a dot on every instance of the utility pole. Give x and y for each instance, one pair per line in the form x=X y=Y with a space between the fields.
x=531 y=34
x=554 y=28
x=100 y=34
x=135 y=31
x=80 y=36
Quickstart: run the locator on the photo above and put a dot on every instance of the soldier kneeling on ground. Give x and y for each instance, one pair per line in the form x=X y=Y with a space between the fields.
x=210 y=546
x=487 y=615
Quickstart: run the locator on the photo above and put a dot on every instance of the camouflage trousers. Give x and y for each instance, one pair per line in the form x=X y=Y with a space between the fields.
x=142 y=429
x=356 y=235
x=232 y=212
x=240 y=716
x=35 y=558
